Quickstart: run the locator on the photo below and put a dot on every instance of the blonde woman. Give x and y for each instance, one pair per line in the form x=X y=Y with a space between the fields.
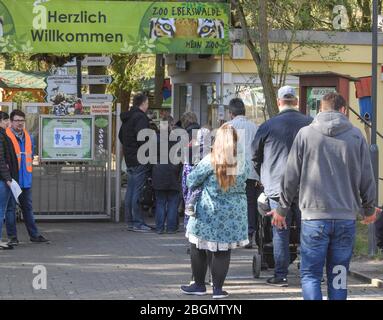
x=221 y=220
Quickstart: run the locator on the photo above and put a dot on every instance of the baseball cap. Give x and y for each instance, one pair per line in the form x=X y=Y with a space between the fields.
x=287 y=93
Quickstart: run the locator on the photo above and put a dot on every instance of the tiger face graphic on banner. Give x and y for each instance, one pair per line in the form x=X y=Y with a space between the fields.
x=182 y=28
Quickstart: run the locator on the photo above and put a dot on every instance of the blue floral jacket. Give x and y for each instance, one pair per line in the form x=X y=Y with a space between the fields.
x=220 y=216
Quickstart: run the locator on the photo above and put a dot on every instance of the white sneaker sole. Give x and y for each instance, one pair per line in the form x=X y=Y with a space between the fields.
x=194 y=293
x=278 y=285
x=220 y=296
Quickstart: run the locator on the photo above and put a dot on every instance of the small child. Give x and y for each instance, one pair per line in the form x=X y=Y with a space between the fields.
x=202 y=142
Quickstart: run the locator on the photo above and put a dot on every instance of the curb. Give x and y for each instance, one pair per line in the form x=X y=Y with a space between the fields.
x=377 y=283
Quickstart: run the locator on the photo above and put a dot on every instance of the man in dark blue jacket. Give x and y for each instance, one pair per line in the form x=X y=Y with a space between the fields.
x=272 y=145
x=133 y=122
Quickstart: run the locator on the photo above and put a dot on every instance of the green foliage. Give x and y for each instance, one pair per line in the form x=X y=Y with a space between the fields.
x=312 y=15
x=23 y=96
x=128 y=70
x=21 y=62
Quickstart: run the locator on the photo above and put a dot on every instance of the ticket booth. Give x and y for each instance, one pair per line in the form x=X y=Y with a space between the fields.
x=314 y=85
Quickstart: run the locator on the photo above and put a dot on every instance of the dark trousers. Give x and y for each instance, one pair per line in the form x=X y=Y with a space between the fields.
x=379 y=231
x=136 y=181
x=220 y=262
x=253 y=191
x=167 y=210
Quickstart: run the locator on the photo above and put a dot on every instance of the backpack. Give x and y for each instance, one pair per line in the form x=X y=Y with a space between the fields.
x=147 y=195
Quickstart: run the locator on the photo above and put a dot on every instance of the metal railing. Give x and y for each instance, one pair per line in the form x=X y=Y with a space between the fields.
x=372 y=245
x=367 y=124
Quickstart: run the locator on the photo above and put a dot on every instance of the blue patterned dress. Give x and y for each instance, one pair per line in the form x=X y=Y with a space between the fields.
x=221 y=217
x=187 y=168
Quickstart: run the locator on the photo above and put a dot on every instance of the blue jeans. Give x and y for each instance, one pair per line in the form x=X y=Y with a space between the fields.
x=7 y=205
x=329 y=241
x=167 y=209
x=26 y=207
x=281 y=241
x=136 y=180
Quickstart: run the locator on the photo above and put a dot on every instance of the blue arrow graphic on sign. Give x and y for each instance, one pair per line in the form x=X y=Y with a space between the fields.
x=71 y=138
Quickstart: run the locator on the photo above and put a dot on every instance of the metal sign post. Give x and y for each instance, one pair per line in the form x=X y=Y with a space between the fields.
x=79 y=78
x=372 y=249
x=118 y=164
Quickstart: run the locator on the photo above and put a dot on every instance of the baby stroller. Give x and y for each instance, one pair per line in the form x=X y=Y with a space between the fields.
x=264 y=259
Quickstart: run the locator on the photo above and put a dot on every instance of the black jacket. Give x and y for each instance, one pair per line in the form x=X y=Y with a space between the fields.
x=272 y=145
x=9 y=167
x=166 y=177
x=132 y=122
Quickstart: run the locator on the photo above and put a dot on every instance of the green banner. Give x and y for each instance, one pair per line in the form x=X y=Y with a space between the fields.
x=54 y=26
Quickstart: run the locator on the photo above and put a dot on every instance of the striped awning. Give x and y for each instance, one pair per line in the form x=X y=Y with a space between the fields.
x=24 y=80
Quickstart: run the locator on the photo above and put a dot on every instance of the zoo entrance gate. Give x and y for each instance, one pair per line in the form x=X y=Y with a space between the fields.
x=77 y=190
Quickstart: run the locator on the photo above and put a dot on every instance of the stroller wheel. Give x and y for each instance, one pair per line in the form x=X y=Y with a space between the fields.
x=257 y=264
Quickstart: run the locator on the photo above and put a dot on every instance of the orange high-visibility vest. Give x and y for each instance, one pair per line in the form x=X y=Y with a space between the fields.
x=28 y=148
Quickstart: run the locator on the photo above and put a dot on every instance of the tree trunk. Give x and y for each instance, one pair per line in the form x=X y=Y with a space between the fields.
x=159 y=81
x=124 y=98
x=265 y=72
x=97 y=88
x=261 y=57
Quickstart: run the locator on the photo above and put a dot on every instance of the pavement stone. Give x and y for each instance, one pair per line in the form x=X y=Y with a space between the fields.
x=101 y=260
x=368 y=270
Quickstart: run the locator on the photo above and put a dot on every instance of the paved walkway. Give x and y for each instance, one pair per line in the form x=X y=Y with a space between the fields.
x=104 y=261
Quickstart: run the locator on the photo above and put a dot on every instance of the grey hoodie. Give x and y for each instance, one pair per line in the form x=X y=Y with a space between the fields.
x=329 y=164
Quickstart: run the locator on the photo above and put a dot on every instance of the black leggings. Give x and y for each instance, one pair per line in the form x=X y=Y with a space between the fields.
x=219 y=265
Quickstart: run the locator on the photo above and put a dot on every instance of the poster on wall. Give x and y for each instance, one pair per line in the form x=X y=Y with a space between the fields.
x=66 y=138
x=55 y=26
x=314 y=97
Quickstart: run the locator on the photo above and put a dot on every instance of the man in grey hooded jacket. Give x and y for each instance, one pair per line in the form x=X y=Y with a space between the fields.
x=329 y=164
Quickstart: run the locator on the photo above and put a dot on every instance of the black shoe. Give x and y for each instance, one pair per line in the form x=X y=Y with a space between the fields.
x=194 y=289
x=13 y=242
x=278 y=282
x=218 y=293
x=143 y=229
x=249 y=245
x=39 y=239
